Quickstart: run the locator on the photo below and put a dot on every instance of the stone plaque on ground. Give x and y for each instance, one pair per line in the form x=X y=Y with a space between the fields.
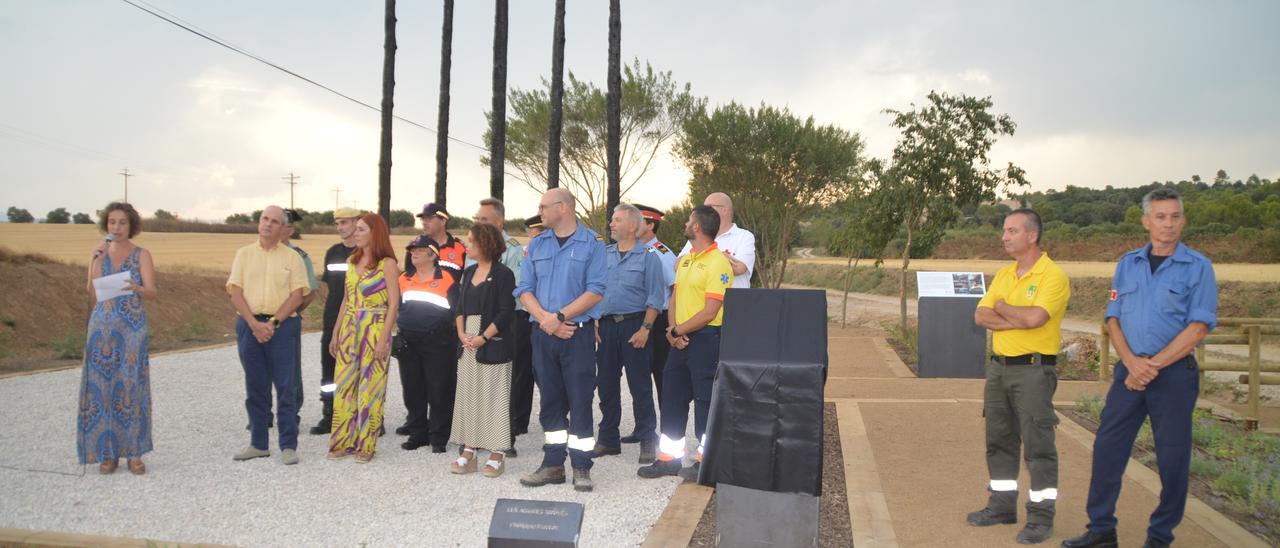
x=520 y=523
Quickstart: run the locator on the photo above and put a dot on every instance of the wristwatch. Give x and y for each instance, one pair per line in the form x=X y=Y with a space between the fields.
x=674 y=334
x=275 y=322
x=560 y=315
x=647 y=326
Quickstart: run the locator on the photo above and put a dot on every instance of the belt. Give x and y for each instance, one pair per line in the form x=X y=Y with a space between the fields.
x=262 y=317
x=619 y=318
x=1026 y=359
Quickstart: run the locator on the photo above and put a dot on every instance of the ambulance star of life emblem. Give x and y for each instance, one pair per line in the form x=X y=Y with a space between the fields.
x=724 y=279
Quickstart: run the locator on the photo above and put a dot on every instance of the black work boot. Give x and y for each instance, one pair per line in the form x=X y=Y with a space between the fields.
x=1035 y=533
x=1091 y=539
x=325 y=425
x=1001 y=509
x=1039 y=522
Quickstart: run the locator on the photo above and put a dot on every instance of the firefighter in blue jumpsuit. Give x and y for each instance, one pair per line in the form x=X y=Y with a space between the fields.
x=633 y=293
x=1164 y=300
x=561 y=282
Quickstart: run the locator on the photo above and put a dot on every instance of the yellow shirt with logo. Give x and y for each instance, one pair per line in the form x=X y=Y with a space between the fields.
x=700 y=276
x=1045 y=286
x=267 y=277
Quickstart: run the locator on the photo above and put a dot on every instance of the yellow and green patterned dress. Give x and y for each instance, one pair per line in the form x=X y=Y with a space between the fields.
x=361 y=378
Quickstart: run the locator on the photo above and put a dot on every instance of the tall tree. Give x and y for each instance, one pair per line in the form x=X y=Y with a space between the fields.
x=862 y=229
x=498 y=118
x=777 y=168
x=388 y=92
x=442 y=123
x=557 y=99
x=653 y=110
x=941 y=164
x=614 y=110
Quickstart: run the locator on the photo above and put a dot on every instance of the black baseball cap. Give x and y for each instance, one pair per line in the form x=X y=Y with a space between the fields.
x=434 y=210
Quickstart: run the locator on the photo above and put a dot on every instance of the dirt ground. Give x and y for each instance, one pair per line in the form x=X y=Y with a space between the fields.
x=952 y=482
x=45 y=308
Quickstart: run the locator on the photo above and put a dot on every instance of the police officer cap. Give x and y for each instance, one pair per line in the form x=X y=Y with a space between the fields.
x=533 y=222
x=293 y=215
x=650 y=213
x=434 y=210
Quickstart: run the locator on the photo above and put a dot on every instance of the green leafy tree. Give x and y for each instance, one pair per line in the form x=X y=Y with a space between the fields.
x=238 y=219
x=777 y=167
x=671 y=230
x=163 y=215
x=862 y=230
x=19 y=215
x=653 y=110
x=941 y=163
x=402 y=217
x=82 y=219
x=58 y=216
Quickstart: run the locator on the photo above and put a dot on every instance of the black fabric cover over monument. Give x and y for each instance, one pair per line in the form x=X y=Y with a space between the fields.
x=765 y=427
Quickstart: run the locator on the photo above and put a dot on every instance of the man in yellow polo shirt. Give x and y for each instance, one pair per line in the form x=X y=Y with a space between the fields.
x=694 y=316
x=267 y=284
x=1023 y=308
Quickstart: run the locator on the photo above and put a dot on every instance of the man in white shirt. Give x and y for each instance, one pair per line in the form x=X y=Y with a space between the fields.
x=738 y=244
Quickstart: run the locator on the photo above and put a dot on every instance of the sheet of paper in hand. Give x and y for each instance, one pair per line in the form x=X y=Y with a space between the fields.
x=110 y=287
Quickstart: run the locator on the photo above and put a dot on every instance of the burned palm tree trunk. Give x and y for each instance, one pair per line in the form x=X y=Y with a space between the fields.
x=442 y=124
x=388 y=91
x=614 y=110
x=498 y=133
x=557 y=99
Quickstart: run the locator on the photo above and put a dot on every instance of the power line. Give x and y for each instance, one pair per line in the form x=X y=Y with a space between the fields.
x=160 y=14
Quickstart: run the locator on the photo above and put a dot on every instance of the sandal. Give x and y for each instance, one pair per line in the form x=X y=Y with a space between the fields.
x=337 y=454
x=364 y=458
x=108 y=466
x=494 y=468
x=464 y=464
x=136 y=467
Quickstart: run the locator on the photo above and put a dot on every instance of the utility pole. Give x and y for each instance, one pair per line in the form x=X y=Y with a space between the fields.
x=336 y=192
x=292 y=182
x=126 y=183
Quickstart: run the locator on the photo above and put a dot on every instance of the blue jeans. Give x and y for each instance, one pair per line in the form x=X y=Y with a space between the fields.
x=1169 y=400
x=266 y=364
x=566 y=372
x=615 y=355
x=689 y=376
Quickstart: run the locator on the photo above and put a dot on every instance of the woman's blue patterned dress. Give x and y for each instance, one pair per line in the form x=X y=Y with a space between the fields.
x=115 y=389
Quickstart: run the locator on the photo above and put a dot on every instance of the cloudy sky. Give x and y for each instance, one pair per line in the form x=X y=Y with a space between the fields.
x=1118 y=93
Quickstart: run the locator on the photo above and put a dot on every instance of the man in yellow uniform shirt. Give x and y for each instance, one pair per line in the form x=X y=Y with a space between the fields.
x=1023 y=308
x=694 y=315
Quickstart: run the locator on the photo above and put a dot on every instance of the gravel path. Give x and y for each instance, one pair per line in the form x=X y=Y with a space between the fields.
x=194 y=492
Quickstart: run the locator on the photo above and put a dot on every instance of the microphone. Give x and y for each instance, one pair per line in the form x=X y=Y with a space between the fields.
x=98 y=252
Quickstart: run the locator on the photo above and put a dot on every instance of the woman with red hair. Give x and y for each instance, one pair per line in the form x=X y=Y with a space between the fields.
x=362 y=341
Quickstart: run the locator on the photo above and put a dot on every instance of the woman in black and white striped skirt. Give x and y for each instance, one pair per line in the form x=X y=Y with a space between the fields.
x=484 y=315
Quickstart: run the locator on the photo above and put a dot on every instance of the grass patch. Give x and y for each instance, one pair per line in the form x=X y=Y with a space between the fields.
x=194 y=330
x=904 y=342
x=1235 y=470
x=70 y=346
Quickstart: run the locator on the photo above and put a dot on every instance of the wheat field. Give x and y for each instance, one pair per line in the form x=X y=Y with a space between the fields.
x=178 y=251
